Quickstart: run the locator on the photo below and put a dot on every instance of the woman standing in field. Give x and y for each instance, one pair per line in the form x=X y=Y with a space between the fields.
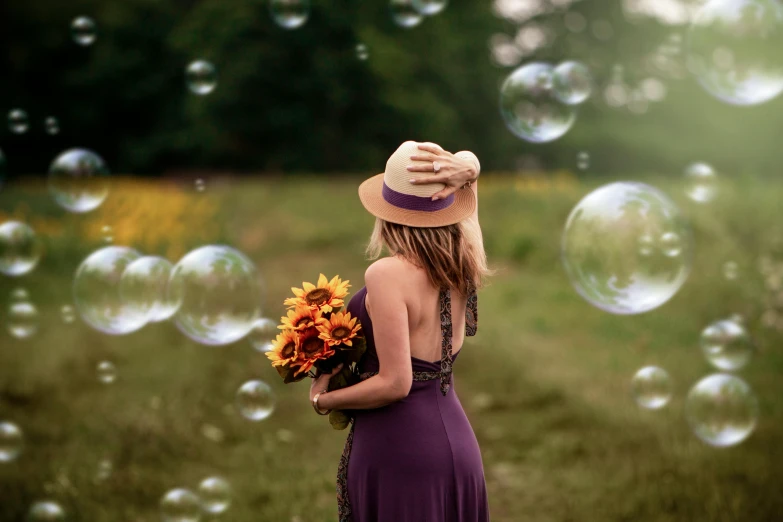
x=411 y=454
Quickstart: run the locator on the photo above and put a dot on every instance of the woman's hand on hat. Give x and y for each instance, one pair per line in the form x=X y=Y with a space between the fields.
x=451 y=170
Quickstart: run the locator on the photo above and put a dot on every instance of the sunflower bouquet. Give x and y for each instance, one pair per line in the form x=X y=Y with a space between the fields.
x=316 y=334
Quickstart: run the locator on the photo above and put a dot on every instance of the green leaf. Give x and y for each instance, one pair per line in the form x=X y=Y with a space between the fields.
x=339 y=419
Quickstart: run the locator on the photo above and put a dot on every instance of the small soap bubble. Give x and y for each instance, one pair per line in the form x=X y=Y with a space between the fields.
x=20 y=294
x=79 y=180
x=255 y=400
x=651 y=387
x=215 y=493
x=180 y=505
x=404 y=14
x=201 y=77
x=362 y=53
x=700 y=182
x=106 y=371
x=671 y=244
x=83 y=31
x=11 y=441
x=722 y=410
x=22 y=319
x=103 y=470
x=730 y=270
x=52 y=126
x=583 y=160
x=289 y=14
x=18 y=122
x=20 y=248
x=200 y=185
x=727 y=345
x=68 y=314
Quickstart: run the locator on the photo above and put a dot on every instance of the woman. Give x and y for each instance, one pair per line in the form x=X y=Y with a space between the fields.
x=411 y=455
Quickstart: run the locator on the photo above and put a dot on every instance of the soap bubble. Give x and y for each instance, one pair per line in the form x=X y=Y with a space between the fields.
x=180 y=505
x=583 y=160
x=83 y=31
x=106 y=371
x=263 y=334
x=651 y=387
x=430 y=7
x=289 y=14
x=404 y=14
x=215 y=493
x=726 y=345
x=626 y=248
x=107 y=234
x=104 y=470
x=22 y=319
x=68 y=313
x=730 y=270
x=700 y=182
x=96 y=291
x=79 y=180
x=255 y=400
x=143 y=288
x=572 y=82
x=199 y=184
x=20 y=249
x=217 y=292
x=20 y=294
x=529 y=106
x=721 y=410
x=362 y=53
x=52 y=126
x=11 y=441
x=18 y=122
x=46 y=511
x=734 y=50
x=201 y=77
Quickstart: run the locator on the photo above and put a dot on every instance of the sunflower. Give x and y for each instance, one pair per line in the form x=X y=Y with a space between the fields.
x=311 y=348
x=325 y=296
x=284 y=349
x=301 y=318
x=338 y=329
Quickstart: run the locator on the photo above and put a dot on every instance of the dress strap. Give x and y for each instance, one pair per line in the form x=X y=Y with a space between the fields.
x=445 y=345
x=471 y=314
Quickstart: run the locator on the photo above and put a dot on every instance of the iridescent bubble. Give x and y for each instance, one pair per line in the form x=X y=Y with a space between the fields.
x=68 y=313
x=572 y=82
x=726 y=345
x=583 y=160
x=18 y=122
x=180 y=505
x=20 y=249
x=404 y=14
x=104 y=470
x=430 y=7
x=201 y=77
x=200 y=185
x=83 y=31
x=46 y=511
x=700 y=182
x=734 y=50
x=362 y=53
x=96 y=291
x=79 y=180
x=721 y=410
x=215 y=493
x=217 y=293
x=11 y=441
x=289 y=14
x=143 y=288
x=651 y=387
x=255 y=400
x=108 y=234
x=22 y=319
x=730 y=270
x=626 y=248
x=529 y=106
x=263 y=334
x=106 y=372
x=52 y=126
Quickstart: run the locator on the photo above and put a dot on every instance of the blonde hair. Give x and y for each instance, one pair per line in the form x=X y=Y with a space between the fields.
x=453 y=256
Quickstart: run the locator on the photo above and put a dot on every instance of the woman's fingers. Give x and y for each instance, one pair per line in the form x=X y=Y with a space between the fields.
x=421 y=168
x=443 y=194
x=425 y=157
x=430 y=147
x=438 y=178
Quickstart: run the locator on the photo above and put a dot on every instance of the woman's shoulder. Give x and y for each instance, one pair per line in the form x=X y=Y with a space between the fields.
x=384 y=268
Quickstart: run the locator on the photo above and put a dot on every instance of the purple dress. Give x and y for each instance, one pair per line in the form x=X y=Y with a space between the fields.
x=417 y=459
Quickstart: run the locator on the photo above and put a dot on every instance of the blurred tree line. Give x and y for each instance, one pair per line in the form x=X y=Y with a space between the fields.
x=301 y=101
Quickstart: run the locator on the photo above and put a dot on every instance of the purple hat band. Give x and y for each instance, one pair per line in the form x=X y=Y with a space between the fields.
x=410 y=202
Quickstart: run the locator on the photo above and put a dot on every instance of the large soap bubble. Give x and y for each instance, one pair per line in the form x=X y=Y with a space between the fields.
x=180 y=505
x=404 y=14
x=215 y=493
x=626 y=248
x=734 y=50
x=79 y=180
x=255 y=400
x=18 y=122
x=83 y=31
x=46 y=511
x=700 y=182
x=217 y=294
x=201 y=77
x=22 y=319
x=143 y=288
x=20 y=248
x=721 y=410
x=572 y=82
x=430 y=7
x=11 y=441
x=530 y=107
x=651 y=387
x=96 y=291
x=726 y=345
x=289 y=14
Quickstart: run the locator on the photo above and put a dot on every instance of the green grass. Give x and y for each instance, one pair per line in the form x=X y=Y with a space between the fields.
x=545 y=382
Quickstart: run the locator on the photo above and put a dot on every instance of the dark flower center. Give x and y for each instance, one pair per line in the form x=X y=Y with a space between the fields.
x=341 y=332
x=312 y=346
x=302 y=322
x=288 y=351
x=318 y=296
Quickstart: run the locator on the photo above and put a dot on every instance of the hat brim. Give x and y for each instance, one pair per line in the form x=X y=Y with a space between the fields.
x=371 y=196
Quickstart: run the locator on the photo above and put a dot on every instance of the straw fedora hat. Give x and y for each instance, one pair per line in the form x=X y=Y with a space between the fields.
x=392 y=197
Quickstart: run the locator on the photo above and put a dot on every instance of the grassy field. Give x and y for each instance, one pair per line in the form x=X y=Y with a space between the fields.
x=545 y=383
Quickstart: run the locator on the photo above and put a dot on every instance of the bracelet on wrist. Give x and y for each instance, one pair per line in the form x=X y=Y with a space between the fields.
x=318 y=410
